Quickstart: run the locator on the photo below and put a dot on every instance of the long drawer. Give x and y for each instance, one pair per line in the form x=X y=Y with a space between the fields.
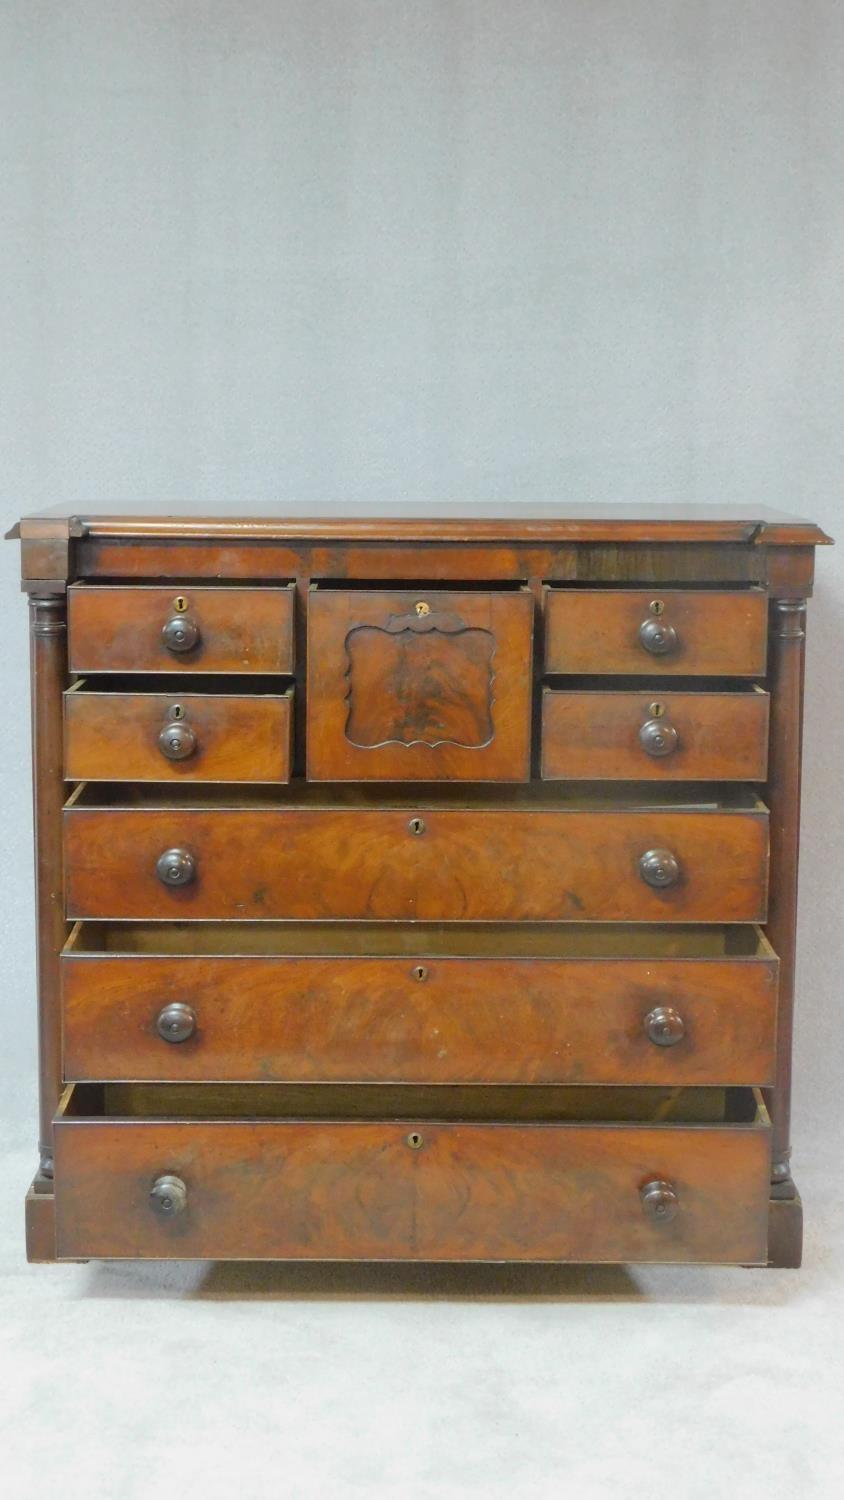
x=614 y=861
x=270 y=1002
x=416 y=1187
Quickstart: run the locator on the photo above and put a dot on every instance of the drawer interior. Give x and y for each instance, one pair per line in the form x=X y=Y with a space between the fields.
x=539 y=796
x=446 y=940
x=503 y=1104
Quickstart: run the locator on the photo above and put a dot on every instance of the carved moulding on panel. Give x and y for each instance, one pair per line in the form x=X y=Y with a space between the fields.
x=422 y=679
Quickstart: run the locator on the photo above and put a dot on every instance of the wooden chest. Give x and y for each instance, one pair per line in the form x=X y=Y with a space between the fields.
x=416 y=885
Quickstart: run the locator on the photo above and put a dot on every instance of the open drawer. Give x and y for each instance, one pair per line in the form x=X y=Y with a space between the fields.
x=453 y=1175
x=115 y=730
x=422 y=685
x=380 y=1004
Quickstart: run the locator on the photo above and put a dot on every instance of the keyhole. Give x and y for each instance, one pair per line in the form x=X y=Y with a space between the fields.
x=180 y=604
x=657 y=606
x=420 y=973
x=416 y=825
x=414 y=1140
x=657 y=710
x=422 y=608
x=177 y=711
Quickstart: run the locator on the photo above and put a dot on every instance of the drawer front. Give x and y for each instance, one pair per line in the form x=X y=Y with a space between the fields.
x=639 y=737
x=629 y=631
x=164 y=630
x=177 y=737
x=409 y=1191
x=419 y=686
x=419 y=1019
x=430 y=865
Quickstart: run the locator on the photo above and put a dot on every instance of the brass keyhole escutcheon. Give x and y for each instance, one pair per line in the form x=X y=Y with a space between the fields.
x=656 y=710
x=422 y=608
x=176 y=711
x=414 y=1140
x=657 y=607
x=416 y=825
x=420 y=973
x=180 y=604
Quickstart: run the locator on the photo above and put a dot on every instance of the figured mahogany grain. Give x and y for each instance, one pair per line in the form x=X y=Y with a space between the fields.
x=595 y=736
x=359 y=1190
x=420 y=685
x=368 y=862
x=420 y=1019
x=118 y=629
x=720 y=632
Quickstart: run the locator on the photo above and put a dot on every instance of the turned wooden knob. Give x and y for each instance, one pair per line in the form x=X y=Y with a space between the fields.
x=177 y=740
x=176 y=1022
x=168 y=1196
x=180 y=634
x=175 y=867
x=658 y=738
x=664 y=1026
x=658 y=639
x=659 y=1201
x=659 y=868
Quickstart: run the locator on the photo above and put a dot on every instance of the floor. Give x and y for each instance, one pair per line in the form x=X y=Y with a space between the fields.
x=122 y=1382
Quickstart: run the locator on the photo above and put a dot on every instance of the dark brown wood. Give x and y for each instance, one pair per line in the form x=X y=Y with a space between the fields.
x=115 y=736
x=48 y=664
x=422 y=686
x=706 y=736
x=397 y=1190
x=429 y=864
x=461 y=1019
x=598 y=631
x=507 y=1016
x=444 y=521
x=788 y=636
x=240 y=630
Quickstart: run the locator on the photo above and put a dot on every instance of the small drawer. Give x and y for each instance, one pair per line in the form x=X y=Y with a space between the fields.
x=385 y=1004
x=419 y=686
x=638 y=736
x=702 y=633
x=619 y=859
x=176 y=736
x=407 y=1179
x=140 y=629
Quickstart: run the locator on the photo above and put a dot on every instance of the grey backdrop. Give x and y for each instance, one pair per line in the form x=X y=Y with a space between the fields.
x=590 y=249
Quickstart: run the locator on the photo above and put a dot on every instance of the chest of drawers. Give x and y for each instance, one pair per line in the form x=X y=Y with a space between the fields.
x=416 y=885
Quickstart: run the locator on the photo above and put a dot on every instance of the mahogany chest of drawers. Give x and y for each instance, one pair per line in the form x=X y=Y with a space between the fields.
x=416 y=885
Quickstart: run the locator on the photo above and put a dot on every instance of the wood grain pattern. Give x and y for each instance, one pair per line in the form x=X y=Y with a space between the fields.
x=358 y=1190
x=595 y=736
x=424 y=685
x=118 y=629
x=114 y=736
x=368 y=863
x=424 y=1018
x=720 y=633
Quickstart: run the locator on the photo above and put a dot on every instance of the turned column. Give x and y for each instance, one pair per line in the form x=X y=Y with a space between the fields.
x=48 y=660
x=787 y=656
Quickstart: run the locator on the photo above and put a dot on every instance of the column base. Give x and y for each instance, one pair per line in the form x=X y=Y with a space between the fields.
x=785 y=1227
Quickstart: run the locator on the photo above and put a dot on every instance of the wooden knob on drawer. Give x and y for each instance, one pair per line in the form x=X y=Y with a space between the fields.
x=176 y=1022
x=658 y=639
x=180 y=634
x=658 y=738
x=175 y=867
x=659 y=1201
x=168 y=1196
x=177 y=740
x=659 y=868
x=664 y=1026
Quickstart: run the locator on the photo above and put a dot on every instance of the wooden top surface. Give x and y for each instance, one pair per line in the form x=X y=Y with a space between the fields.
x=434 y=521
